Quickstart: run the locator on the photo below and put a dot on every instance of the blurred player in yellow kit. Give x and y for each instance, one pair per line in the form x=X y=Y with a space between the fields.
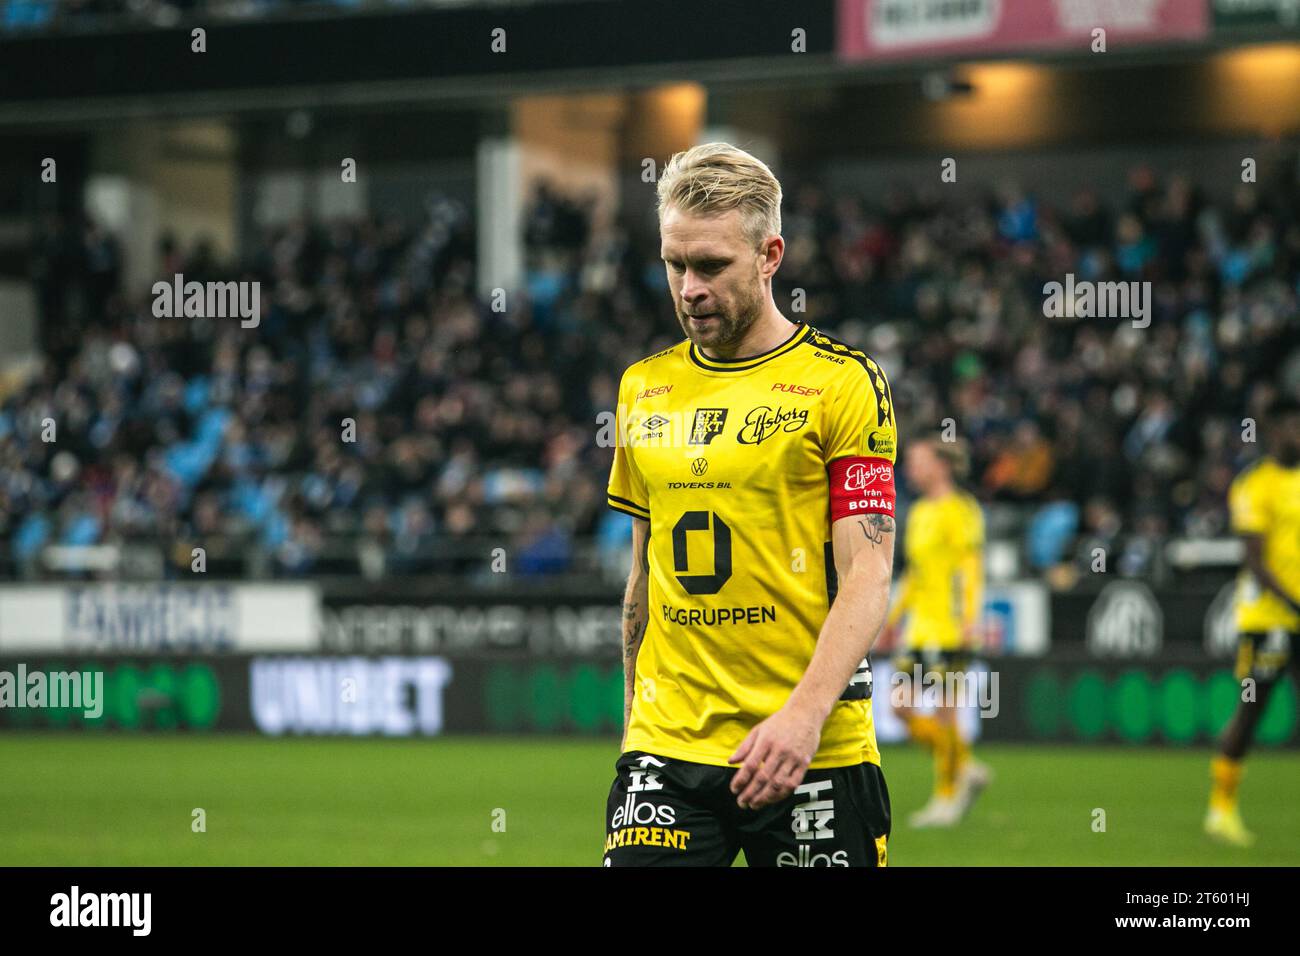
x=941 y=595
x=1264 y=501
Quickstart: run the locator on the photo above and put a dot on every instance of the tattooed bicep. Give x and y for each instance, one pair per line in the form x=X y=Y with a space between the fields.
x=875 y=527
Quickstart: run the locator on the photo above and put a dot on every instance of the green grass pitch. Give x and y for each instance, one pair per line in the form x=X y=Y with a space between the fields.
x=128 y=801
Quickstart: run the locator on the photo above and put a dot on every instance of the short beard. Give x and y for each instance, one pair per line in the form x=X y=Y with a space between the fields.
x=731 y=331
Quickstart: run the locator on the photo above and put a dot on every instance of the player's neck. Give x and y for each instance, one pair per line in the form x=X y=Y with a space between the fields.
x=767 y=333
x=940 y=489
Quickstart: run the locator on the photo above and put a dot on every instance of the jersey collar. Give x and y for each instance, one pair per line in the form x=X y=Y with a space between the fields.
x=700 y=360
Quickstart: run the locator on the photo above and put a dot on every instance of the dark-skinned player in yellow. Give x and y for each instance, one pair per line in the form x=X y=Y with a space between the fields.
x=1264 y=502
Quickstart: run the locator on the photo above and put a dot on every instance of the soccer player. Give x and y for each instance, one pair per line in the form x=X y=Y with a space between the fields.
x=941 y=594
x=1264 y=502
x=756 y=460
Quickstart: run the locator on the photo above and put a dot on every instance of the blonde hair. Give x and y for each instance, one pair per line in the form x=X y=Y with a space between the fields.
x=955 y=454
x=713 y=178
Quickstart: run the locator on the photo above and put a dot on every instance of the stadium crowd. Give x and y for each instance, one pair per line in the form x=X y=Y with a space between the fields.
x=381 y=403
x=28 y=16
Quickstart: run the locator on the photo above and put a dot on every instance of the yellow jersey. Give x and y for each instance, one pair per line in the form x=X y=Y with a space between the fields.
x=740 y=466
x=1265 y=500
x=943 y=582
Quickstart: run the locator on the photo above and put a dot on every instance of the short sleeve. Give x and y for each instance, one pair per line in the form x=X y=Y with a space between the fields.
x=861 y=419
x=627 y=490
x=1248 y=505
x=860 y=445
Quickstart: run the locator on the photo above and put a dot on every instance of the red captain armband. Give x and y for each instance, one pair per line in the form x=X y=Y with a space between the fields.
x=861 y=486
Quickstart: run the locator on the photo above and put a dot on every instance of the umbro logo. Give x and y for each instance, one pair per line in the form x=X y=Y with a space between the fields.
x=653 y=422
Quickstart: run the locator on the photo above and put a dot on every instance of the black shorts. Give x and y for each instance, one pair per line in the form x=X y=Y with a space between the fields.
x=1265 y=655
x=667 y=812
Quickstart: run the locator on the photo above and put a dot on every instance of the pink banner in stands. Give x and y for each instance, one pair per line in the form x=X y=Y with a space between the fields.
x=899 y=28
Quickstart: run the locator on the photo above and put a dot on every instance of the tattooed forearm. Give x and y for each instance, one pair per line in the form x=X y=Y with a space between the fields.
x=632 y=639
x=634 y=623
x=636 y=615
x=635 y=620
x=875 y=527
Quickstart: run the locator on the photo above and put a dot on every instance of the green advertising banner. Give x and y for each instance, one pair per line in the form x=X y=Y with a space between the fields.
x=121 y=694
x=1173 y=701
x=1149 y=705
x=1255 y=14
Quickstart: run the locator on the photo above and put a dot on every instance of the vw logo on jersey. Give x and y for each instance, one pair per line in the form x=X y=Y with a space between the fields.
x=699 y=466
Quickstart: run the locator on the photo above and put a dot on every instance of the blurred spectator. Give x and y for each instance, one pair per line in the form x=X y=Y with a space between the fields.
x=382 y=414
